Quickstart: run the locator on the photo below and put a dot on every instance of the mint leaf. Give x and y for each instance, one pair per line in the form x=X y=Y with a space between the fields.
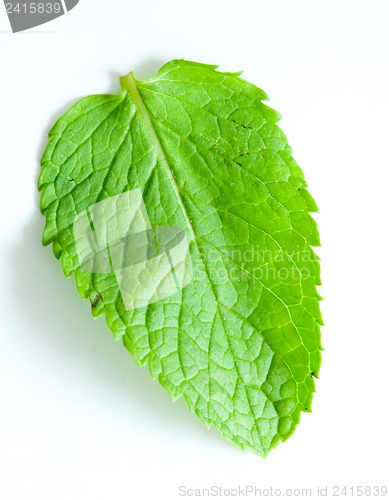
x=196 y=149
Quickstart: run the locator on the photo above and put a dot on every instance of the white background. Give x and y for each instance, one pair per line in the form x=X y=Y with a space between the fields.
x=78 y=419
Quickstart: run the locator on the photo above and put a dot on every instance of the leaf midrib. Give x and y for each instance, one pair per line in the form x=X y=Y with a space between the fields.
x=146 y=115
x=128 y=83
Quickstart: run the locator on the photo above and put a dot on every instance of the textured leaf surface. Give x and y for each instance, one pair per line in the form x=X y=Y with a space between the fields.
x=241 y=342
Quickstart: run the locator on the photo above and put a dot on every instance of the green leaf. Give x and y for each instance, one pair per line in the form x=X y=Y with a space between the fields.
x=241 y=341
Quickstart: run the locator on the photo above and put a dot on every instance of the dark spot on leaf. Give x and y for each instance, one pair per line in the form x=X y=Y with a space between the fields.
x=96 y=300
x=241 y=125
